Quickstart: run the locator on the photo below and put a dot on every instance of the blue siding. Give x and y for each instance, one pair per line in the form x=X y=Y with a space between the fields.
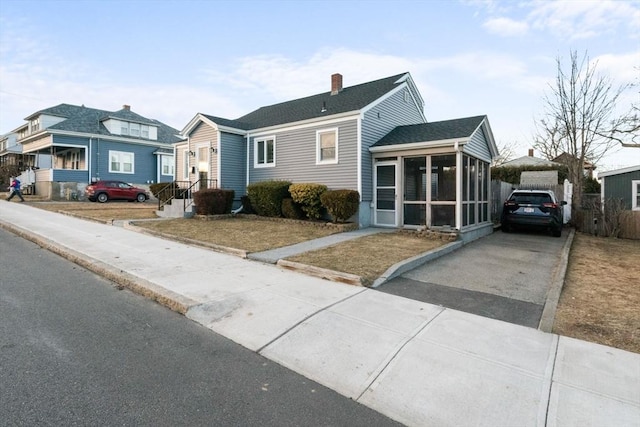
x=70 y=175
x=70 y=140
x=379 y=121
x=233 y=152
x=145 y=162
x=478 y=146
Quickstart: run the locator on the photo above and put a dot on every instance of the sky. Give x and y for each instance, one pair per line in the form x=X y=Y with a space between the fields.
x=170 y=60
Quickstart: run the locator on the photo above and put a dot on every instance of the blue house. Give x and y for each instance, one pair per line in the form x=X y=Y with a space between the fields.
x=371 y=137
x=75 y=145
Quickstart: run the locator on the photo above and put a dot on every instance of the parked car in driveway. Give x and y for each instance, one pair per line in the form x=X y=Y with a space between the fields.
x=533 y=209
x=103 y=191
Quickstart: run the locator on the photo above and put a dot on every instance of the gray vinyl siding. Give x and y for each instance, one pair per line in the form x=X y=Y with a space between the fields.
x=233 y=149
x=478 y=146
x=379 y=121
x=70 y=140
x=296 y=158
x=619 y=187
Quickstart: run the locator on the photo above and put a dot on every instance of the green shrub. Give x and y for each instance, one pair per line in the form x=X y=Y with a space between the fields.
x=308 y=197
x=213 y=201
x=246 y=205
x=266 y=197
x=291 y=209
x=341 y=204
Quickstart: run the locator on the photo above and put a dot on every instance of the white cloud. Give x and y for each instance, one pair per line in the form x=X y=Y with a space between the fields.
x=584 y=19
x=506 y=27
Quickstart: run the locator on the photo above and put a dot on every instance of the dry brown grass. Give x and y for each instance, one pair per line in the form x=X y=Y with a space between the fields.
x=106 y=212
x=249 y=234
x=600 y=301
x=368 y=256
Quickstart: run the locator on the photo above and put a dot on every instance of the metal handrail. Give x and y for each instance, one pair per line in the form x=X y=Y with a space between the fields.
x=183 y=190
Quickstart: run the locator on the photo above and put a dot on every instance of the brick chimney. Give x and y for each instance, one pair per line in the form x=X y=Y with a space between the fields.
x=126 y=107
x=530 y=152
x=336 y=83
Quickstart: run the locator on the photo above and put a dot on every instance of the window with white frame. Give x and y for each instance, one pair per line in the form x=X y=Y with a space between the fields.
x=327 y=146
x=635 y=195
x=134 y=129
x=144 y=131
x=166 y=163
x=121 y=162
x=124 y=128
x=185 y=165
x=264 y=152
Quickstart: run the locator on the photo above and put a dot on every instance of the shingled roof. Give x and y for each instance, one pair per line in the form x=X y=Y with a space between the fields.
x=434 y=131
x=89 y=120
x=352 y=98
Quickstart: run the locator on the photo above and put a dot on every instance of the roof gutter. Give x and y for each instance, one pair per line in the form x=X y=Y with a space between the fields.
x=454 y=143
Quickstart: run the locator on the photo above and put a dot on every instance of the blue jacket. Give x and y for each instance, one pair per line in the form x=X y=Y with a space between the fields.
x=16 y=184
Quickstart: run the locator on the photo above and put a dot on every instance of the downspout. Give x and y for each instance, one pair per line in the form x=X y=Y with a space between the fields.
x=89 y=156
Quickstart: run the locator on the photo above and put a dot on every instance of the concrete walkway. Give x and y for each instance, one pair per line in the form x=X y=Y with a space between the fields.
x=420 y=364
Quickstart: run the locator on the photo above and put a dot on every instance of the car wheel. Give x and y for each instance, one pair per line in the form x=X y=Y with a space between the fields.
x=102 y=197
x=557 y=232
x=141 y=198
x=505 y=227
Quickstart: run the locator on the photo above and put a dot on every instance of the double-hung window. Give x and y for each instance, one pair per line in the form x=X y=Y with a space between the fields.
x=167 y=165
x=121 y=162
x=635 y=195
x=264 y=152
x=327 y=146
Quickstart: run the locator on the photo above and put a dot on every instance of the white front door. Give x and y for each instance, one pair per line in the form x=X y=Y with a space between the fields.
x=386 y=197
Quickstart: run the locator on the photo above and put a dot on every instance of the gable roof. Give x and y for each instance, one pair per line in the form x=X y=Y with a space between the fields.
x=352 y=98
x=83 y=119
x=433 y=131
x=528 y=161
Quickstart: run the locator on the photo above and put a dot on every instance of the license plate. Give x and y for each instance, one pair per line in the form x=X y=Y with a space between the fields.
x=528 y=210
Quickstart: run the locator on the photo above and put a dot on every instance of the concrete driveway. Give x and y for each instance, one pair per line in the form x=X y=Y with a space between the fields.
x=503 y=276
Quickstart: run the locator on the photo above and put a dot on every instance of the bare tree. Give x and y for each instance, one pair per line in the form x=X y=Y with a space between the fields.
x=507 y=151
x=579 y=118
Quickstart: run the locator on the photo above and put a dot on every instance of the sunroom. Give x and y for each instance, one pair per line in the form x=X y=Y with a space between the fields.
x=435 y=175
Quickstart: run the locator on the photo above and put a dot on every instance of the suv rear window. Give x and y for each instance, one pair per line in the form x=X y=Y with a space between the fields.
x=530 y=198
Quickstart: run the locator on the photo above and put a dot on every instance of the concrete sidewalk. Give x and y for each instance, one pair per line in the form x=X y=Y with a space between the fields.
x=417 y=363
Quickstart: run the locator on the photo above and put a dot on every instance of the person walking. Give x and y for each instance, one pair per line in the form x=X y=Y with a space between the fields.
x=15 y=189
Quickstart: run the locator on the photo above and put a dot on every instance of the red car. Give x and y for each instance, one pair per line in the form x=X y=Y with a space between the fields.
x=103 y=191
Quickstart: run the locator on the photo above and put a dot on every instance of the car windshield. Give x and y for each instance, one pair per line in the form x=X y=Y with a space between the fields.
x=530 y=198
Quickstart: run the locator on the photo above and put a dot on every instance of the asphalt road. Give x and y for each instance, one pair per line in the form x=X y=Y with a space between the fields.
x=75 y=350
x=503 y=276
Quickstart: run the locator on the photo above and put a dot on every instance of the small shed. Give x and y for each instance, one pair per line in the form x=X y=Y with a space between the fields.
x=623 y=185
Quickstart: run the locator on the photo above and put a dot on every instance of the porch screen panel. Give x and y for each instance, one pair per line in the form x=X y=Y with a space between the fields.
x=443 y=178
x=415 y=190
x=386 y=197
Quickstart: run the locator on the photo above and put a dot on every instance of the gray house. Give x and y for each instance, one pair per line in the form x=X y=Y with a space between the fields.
x=621 y=184
x=74 y=145
x=372 y=137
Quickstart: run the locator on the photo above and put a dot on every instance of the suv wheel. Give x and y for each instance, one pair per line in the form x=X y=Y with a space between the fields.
x=557 y=232
x=102 y=197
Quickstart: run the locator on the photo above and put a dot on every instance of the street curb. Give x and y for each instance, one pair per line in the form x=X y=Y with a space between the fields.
x=555 y=289
x=323 y=273
x=413 y=262
x=138 y=285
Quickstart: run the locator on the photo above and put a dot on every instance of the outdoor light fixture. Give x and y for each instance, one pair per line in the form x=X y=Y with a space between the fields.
x=214 y=150
x=192 y=153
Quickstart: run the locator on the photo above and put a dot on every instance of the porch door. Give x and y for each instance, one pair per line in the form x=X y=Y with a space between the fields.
x=203 y=167
x=415 y=191
x=386 y=206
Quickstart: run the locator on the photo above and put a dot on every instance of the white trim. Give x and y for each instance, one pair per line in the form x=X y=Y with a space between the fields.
x=619 y=171
x=119 y=153
x=110 y=138
x=304 y=124
x=319 y=160
x=418 y=145
x=359 y=158
x=634 y=195
x=185 y=164
x=218 y=161
x=266 y=164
